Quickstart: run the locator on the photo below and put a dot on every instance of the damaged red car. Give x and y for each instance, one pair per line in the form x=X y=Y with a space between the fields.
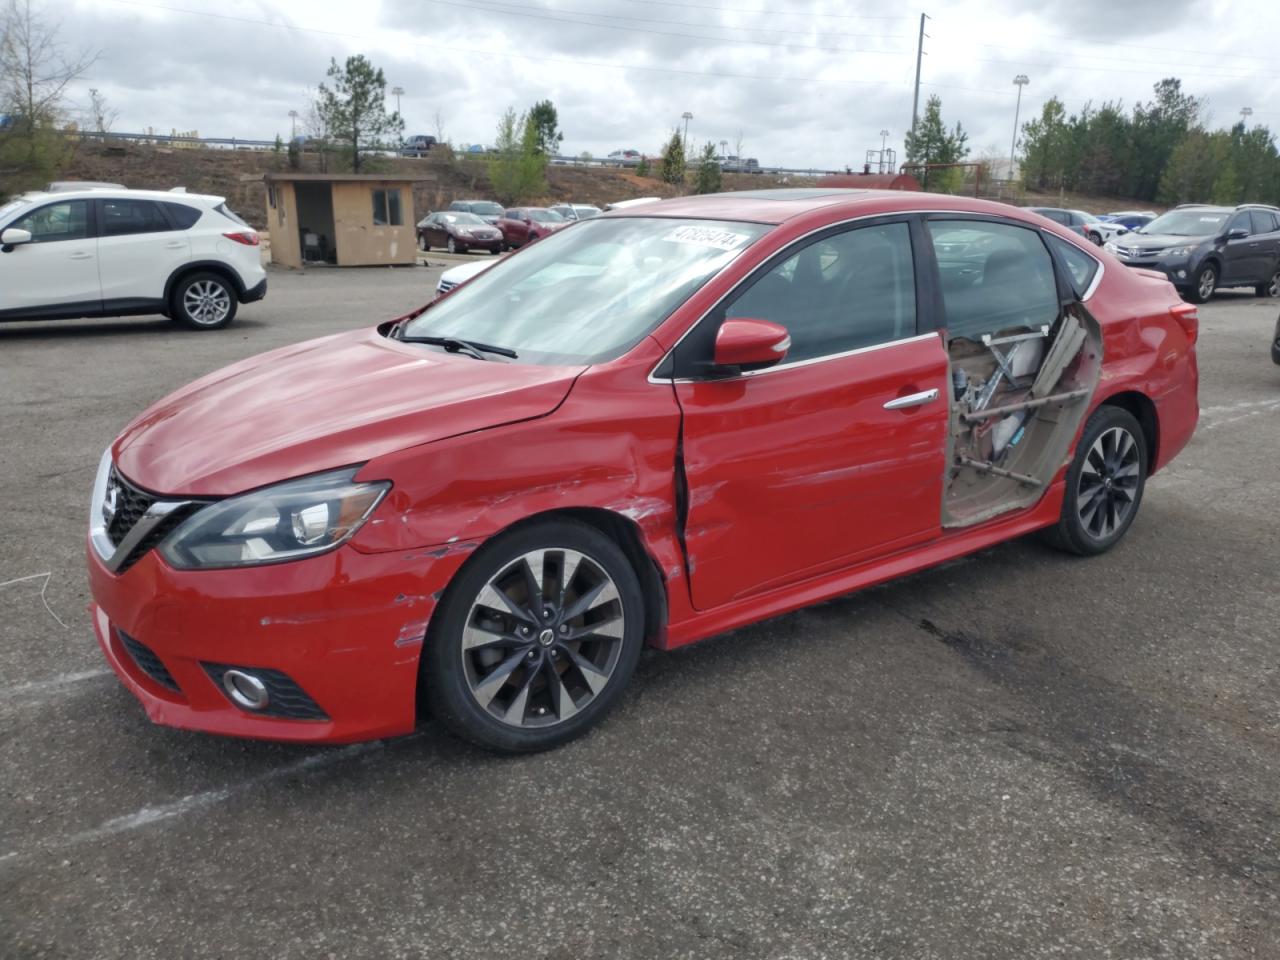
x=660 y=425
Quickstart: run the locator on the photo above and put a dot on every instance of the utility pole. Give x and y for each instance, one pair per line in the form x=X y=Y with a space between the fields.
x=686 y=117
x=884 y=137
x=915 y=101
x=293 y=124
x=1021 y=81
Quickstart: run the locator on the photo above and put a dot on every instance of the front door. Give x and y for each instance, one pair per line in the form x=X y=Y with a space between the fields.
x=1242 y=260
x=837 y=454
x=56 y=274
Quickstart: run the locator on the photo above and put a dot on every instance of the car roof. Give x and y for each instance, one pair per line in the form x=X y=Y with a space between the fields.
x=780 y=205
x=39 y=196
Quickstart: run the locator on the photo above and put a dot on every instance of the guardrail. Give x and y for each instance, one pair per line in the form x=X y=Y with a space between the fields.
x=239 y=143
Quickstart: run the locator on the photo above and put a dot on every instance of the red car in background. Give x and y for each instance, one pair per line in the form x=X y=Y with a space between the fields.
x=521 y=225
x=661 y=425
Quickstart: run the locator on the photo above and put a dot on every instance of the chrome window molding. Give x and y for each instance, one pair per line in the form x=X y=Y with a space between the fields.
x=752 y=276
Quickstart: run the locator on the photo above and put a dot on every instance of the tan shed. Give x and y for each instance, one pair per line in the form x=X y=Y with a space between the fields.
x=346 y=219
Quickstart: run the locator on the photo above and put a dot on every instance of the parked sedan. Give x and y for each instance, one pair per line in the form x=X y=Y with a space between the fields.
x=1086 y=224
x=521 y=225
x=458 y=233
x=658 y=426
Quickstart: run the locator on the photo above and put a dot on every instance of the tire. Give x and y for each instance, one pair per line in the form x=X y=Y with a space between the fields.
x=452 y=246
x=532 y=237
x=1271 y=288
x=1104 y=484
x=203 y=301
x=1204 y=284
x=477 y=677
x=423 y=245
x=1095 y=239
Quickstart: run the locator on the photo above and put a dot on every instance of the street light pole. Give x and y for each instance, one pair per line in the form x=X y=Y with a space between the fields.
x=1245 y=114
x=398 y=92
x=1020 y=81
x=884 y=138
x=686 y=116
x=915 y=101
x=293 y=124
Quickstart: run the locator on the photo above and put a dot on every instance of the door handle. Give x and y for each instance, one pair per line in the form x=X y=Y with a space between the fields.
x=80 y=256
x=912 y=400
x=175 y=245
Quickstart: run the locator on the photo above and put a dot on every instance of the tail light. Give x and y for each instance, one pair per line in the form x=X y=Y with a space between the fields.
x=1188 y=317
x=247 y=237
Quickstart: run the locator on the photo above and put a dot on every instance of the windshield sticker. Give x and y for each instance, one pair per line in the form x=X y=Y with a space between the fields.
x=708 y=237
x=1210 y=219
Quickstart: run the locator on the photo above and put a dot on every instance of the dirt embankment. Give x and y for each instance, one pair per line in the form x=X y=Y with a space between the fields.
x=220 y=172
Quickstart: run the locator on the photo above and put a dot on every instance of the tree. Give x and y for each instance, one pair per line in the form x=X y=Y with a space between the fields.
x=642 y=168
x=546 y=123
x=34 y=77
x=1158 y=128
x=518 y=167
x=930 y=143
x=1043 y=143
x=708 y=171
x=354 y=111
x=672 y=166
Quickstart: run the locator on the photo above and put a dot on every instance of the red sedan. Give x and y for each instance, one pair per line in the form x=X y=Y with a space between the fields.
x=521 y=225
x=661 y=425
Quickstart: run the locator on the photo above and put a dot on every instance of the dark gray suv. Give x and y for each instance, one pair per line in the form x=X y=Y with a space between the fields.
x=1202 y=248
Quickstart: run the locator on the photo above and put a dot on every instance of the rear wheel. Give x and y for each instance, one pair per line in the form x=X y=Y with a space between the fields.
x=535 y=639
x=1206 y=281
x=1095 y=238
x=1271 y=288
x=1104 y=484
x=203 y=301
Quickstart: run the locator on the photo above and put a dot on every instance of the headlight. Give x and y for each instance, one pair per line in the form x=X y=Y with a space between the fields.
x=1110 y=247
x=291 y=520
x=1179 y=251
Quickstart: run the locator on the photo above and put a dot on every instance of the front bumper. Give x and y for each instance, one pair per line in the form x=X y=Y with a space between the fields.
x=256 y=292
x=1179 y=271
x=345 y=627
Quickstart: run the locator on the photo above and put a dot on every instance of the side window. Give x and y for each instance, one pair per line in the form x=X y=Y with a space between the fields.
x=183 y=216
x=1057 y=216
x=123 y=217
x=386 y=208
x=1263 y=222
x=1081 y=268
x=1240 y=222
x=853 y=289
x=54 y=222
x=994 y=276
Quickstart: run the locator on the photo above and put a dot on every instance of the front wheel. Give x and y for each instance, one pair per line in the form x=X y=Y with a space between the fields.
x=453 y=245
x=422 y=243
x=203 y=301
x=1205 y=283
x=1271 y=288
x=535 y=639
x=1104 y=484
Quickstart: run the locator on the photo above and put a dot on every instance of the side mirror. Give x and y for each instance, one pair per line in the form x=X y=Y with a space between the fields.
x=1237 y=233
x=751 y=344
x=12 y=237
x=528 y=221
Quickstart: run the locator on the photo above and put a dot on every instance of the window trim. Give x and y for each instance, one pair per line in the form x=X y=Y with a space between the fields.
x=923 y=299
x=386 y=206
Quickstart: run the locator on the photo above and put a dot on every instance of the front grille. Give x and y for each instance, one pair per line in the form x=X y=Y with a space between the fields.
x=131 y=504
x=284 y=697
x=148 y=662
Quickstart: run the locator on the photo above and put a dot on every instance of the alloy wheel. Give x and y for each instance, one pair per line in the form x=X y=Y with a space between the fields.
x=453 y=247
x=1208 y=281
x=206 y=302
x=1108 y=484
x=1273 y=288
x=543 y=638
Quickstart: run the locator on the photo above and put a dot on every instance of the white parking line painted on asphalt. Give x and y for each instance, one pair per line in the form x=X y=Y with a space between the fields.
x=197 y=801
x=1209 y=416
x=44 y=586
x=36 y=687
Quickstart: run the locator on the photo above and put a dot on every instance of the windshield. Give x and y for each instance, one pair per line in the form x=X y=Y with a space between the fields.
x=487 y=209
x=588 y=294
x=585 y=212
x=467 y=218
x=1188 y=223
x=11 y=207
x=545 y=216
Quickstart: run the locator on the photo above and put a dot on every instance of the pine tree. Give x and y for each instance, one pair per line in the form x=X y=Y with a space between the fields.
x=709 y=171
x=930 y=143
x=672 y=170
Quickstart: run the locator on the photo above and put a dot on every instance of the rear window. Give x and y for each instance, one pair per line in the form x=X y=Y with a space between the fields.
x=230 y=214
x=183 y=216
x=1081 y=268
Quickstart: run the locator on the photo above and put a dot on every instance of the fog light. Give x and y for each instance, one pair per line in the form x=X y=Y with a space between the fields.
x=1182 y=274
x=245 y=690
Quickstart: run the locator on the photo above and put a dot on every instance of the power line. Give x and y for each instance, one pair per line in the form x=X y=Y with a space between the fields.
x=493 y=7
x=766 y=13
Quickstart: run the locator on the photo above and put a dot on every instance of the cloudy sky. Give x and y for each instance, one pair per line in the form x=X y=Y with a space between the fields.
x=801 y=82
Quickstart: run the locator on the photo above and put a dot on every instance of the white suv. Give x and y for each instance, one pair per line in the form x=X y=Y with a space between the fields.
x=115 y=252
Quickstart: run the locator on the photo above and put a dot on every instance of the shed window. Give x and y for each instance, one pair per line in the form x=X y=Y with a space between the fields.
x=386 y=208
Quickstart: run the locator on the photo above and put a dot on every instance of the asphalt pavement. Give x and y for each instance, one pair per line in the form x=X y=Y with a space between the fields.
x=1017 y=755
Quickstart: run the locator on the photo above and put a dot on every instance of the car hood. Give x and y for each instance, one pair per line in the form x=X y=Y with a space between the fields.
x=324 y=404
x=1157 y=241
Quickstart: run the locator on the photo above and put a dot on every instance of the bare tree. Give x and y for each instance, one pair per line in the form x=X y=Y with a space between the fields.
x=439 y=125
x=34 y=70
